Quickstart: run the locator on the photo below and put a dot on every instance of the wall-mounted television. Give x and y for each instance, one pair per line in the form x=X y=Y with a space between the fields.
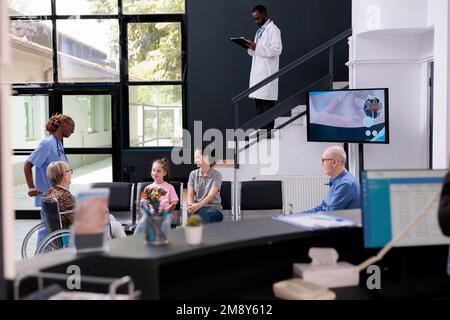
x=350 y=115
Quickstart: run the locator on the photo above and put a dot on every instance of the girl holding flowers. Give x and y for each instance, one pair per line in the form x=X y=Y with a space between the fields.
x=159 y=195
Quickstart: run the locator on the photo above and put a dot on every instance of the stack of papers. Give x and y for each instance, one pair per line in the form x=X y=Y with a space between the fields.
x=316 y=221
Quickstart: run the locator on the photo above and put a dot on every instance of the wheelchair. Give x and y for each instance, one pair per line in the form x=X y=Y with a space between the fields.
x=56 y=238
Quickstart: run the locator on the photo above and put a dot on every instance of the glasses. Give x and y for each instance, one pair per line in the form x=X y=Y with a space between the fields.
x=323 y=160
x=69 y=170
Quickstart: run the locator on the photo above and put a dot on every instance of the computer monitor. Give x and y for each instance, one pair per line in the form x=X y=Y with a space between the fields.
x=391 y=199
x=351 y=115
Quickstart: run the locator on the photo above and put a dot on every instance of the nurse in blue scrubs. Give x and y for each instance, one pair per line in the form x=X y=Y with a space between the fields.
x=50 y=149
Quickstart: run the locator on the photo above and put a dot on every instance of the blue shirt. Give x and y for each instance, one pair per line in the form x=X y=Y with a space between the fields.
x=344 y=193
x=50 y=149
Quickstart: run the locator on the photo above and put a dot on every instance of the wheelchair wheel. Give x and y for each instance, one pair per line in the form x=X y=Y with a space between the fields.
x=29 y=244
x=58 y=239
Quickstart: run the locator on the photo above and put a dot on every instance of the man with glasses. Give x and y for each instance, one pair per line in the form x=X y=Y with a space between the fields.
x=344 y=192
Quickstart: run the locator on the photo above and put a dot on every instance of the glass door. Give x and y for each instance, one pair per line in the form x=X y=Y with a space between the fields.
x=89 y=149
x=30 y=113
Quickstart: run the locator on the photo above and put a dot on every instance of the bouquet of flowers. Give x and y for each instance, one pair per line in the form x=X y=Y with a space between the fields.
x=151 y=196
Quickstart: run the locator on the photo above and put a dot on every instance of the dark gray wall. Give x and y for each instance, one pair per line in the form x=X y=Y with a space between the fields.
x=219 y=69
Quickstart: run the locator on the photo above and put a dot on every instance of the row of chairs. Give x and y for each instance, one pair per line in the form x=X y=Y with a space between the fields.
x=256 y=199
x=124 y=199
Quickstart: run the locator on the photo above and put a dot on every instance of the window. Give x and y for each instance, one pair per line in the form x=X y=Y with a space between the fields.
x=153 y=6
x=155 y=116
x=154 y=51
x=89 y=168
x=106 y=117
x=86 y=111
x=86 y=7
x=88 y=45
x=29 y=7
x=21 y=200
x=81 y=68
x=88 y=50
x=31 y=52
x=31 y=114
x=91 y=117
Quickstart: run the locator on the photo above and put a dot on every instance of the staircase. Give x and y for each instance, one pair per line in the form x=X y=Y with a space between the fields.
x=256 y=158
x=291 y=140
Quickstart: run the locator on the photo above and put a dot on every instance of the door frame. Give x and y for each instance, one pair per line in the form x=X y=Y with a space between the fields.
x=430 y=79
x=55 y=106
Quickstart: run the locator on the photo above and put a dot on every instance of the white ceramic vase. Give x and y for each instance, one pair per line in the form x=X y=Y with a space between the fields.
x=193 y=234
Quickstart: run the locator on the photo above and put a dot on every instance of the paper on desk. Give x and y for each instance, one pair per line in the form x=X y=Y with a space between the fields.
x=315 y=221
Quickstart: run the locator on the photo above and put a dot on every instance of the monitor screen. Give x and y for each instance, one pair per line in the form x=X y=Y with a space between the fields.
x=391 y=199
x=352 y=115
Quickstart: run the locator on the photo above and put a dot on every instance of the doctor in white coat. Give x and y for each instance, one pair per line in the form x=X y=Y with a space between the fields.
x=265 y=53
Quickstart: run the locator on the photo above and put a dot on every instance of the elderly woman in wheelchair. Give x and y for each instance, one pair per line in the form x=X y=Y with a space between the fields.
x=58 y=207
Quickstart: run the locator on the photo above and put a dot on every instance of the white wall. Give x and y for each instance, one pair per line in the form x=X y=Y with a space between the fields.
x=405 y=117
x=392 y=45
x=438 y=15
x=370 y=15
x=289 y=154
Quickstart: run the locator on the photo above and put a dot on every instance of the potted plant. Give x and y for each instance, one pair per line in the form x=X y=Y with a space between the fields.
x=194 y=230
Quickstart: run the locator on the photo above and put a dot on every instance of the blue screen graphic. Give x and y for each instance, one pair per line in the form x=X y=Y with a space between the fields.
x=353 y=115
x=376 y=203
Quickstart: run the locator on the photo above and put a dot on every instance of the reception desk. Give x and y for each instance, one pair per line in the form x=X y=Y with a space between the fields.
x=237 y=260
x=234 y=257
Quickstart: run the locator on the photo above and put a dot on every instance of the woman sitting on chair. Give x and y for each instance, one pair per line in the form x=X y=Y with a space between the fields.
x=60 y=177
x=204 y=188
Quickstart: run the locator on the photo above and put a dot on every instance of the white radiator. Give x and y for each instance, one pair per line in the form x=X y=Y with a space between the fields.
x=302 y=192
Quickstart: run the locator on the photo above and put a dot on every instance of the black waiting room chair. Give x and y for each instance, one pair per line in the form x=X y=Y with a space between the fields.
x=260 y=199
x=120 y=203
x=226 y=195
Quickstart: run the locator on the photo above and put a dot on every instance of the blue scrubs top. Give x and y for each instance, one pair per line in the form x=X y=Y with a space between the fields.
x=49 y=150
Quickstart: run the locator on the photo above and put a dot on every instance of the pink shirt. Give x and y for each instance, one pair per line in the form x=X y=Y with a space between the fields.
x=169 y=197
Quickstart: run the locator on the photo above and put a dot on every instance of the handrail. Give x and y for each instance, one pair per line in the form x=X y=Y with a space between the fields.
x=284 y=124
x=280 y=106
x=293 y=65
x=279 y=109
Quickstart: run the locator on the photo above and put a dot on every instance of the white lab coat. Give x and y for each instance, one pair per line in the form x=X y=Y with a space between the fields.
x=265 y=62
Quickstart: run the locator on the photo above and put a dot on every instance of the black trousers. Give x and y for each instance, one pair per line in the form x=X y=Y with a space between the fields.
x=263 y=106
